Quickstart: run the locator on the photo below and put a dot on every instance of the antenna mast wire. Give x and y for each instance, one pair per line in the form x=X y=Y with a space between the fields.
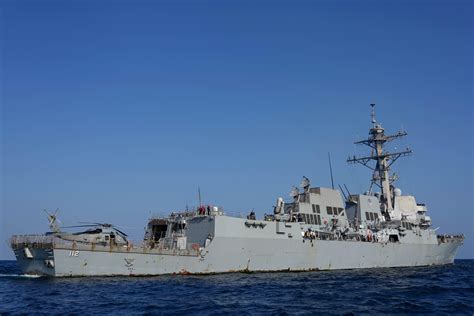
x=330 y=170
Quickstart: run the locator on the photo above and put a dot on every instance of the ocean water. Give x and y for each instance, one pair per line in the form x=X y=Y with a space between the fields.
x=424 y=290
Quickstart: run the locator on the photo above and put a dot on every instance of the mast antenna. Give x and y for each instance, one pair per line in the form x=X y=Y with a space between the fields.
x=348 y=192
x=384 y=160
x=199 y=196
x=372 y=114
x=330 y=170
x=344 y=194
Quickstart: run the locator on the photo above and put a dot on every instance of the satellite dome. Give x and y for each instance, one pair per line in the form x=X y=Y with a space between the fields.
x=397 y=192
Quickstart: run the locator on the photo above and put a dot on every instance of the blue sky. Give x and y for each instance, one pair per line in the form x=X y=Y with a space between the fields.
x=112 y=111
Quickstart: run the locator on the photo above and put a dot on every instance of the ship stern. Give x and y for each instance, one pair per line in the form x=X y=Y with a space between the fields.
x=34 y=254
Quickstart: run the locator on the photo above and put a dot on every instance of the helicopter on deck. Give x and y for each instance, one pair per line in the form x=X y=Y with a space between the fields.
x=95 y=233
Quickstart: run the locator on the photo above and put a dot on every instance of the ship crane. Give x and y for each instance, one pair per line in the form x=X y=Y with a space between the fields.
x=383 y=161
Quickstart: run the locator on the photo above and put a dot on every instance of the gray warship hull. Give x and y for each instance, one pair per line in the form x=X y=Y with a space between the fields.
x=236 y=246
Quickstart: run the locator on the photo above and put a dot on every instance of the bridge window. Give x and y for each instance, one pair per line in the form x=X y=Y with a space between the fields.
x=408 y=226
x=371 y=216
x=316 y=208
x=329 y=210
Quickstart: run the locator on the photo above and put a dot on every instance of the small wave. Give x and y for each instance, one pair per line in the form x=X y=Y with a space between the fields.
x=27 y=276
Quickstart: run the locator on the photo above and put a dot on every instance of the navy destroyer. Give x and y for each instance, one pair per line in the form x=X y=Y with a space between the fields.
x=319 y=229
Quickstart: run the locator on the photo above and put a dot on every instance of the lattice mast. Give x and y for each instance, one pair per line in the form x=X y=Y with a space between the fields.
x=383 y=159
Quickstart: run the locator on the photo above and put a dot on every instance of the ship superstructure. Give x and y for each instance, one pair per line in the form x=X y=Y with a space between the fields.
x=317 y=230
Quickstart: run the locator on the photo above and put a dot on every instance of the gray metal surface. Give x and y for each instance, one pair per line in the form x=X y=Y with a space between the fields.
x=238 y=247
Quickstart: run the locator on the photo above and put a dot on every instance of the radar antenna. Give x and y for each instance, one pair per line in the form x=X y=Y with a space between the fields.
x=305 y=183
x=384 y=160
x=295 y=193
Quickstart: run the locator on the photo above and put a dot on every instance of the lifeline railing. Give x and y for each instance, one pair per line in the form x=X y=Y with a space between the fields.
x=51 y=241
x=34 y=241
x=450 y=238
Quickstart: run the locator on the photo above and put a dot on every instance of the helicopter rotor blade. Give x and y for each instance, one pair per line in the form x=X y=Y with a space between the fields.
x=91 y=223
x=120 y=231
x=74 y=226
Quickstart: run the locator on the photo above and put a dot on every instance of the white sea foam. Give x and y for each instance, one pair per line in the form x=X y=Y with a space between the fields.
x=32 y=276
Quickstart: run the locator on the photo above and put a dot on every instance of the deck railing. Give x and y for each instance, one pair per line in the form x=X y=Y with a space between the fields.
x=34 y=241
x=450 y=238
x=51 y=241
